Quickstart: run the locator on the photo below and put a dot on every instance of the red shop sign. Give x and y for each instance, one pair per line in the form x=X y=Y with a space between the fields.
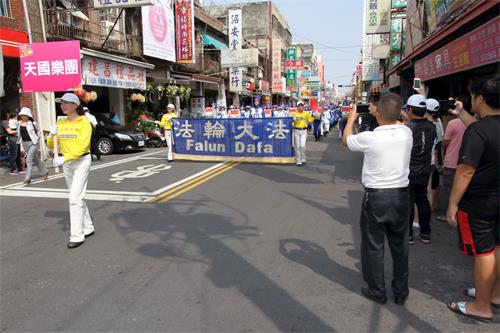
x=294 y=64
x=476 y=48
x=185 y=31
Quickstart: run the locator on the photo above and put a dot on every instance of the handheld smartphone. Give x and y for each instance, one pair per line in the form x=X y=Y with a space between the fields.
x=446 y=104
x=416 y=83
x=362 y=108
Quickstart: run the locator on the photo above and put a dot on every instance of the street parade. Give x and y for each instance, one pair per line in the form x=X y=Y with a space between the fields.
x=249 y=166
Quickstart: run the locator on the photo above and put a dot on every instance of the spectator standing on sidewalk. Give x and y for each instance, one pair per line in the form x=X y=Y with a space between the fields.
x=436 y=159
x=386 y=204
x=451 y=146
x=473 y=203
x=424 y=136
x=74 y=135
x=93 y=121
x=27 y=135
x=10 y=126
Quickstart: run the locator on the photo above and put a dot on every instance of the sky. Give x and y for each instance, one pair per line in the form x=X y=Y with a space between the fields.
x=333 y=26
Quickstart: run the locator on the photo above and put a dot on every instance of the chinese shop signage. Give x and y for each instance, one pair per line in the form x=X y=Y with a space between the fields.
x=476 y=48
x=105 y=73
x=378 y=16
x=235 y=43
x=184 y=18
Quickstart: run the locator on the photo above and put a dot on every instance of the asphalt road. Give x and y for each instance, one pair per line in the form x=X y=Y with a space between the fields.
x=211 y=247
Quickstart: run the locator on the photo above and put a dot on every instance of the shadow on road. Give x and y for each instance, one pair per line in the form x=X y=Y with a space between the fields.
x=316 y=258
x=227 y=269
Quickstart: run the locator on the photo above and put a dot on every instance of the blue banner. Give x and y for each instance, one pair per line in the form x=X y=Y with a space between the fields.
x=260 y=140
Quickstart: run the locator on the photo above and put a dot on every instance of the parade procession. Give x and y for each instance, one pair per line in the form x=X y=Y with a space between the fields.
x=249 y=166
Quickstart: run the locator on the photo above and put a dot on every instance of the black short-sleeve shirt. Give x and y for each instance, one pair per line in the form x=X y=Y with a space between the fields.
x=480 y=149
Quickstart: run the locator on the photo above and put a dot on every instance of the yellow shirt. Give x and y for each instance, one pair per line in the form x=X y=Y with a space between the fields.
x=166 y=120
x=301 y=119
x=73 y=138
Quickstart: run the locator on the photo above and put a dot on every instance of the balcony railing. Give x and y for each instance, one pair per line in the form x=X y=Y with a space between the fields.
x=64 y=25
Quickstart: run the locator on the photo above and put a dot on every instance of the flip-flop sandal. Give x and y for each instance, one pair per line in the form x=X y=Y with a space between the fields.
x=460 y=308
x=471 y=292
x=46 y=176
x=441 y=218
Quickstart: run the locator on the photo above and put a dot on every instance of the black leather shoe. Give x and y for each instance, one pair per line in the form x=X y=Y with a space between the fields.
x=73 y=245
x=378 y=299
x=400 y=300
x=91 y=234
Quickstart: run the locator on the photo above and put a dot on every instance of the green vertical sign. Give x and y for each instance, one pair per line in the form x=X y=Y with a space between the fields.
x=291 y=76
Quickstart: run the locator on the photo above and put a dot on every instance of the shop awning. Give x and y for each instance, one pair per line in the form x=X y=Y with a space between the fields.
x=112 y=57
x=10 y=40
x=207 y=40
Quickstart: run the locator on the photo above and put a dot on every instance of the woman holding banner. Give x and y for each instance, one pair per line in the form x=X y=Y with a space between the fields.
x=73 y=135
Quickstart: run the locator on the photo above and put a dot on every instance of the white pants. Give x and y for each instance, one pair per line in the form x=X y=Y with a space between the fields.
x=300 y=137
x=326 y=125
x=170 y=141
x=76 y=174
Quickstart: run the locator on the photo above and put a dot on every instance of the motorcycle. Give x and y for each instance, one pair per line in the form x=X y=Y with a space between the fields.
x=152 y=131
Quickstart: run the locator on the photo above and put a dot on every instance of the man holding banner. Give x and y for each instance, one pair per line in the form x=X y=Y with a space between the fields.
x=300 y=121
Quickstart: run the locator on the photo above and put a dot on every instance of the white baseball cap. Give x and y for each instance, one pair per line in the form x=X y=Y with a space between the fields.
x=26 y=112
x=170 y=106
x=69 y=97
x=417 y=101
x=432 y=105
x=300 y=102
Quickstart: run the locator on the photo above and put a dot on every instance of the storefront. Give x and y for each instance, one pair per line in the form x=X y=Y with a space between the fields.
x=10 y=97
x=453 y=55
x=113 y=79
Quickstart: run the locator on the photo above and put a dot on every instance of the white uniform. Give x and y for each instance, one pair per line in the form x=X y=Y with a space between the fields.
x=257 y=112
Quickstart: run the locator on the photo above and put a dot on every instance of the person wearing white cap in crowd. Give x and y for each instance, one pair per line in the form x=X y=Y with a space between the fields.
x=301 y=119
x=73 y=135
x=222 y=113
x=27 y=135
x=166 y=123
x=424 y=136
x=436 y=160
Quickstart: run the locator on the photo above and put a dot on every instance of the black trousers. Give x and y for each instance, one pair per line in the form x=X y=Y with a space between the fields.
x=418 y=196
x=385 y=214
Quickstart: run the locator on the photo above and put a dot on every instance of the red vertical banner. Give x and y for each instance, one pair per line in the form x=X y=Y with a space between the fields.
x=184 y=18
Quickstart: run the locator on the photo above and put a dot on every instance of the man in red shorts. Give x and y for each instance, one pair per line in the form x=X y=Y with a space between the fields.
x=474 y=199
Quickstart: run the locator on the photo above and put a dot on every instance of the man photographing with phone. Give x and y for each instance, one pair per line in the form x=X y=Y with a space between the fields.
x=385 y=208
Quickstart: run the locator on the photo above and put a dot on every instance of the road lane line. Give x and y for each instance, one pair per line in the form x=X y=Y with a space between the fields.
x=92 y=168
x=64 y=195
x=182 y=181
x=199 y=182
x=192 y=180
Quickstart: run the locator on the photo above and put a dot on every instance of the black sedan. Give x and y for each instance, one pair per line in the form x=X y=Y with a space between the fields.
x=111 y=137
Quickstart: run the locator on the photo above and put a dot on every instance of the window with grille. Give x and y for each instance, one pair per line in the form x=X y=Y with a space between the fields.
x=5 y=8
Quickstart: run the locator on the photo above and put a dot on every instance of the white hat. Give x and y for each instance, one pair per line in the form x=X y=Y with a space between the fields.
x=300 y=102
x=170 y=106
x=432 y=105
x=69 y=97
x=86 y=109
x=417 y=101
x=26 y=112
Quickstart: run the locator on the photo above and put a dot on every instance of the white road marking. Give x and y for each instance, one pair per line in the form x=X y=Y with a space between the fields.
x=140 y=172
x=18 y=190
